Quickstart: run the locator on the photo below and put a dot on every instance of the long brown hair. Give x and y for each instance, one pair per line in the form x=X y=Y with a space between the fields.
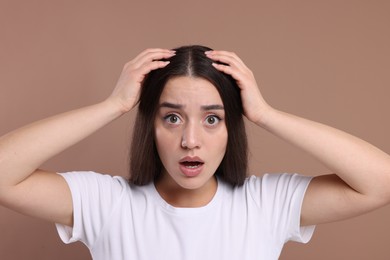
x=145 y=163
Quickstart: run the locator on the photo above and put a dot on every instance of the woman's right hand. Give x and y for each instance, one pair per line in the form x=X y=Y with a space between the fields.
x=127 y=89
x=43 y=194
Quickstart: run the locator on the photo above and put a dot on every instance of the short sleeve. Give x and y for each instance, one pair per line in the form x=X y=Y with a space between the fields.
x=94 y=197
x=280 y=197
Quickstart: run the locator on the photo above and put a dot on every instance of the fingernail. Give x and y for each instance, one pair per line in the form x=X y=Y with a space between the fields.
x=207 y=52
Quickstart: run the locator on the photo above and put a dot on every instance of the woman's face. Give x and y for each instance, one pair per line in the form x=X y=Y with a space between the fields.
x=190 y=131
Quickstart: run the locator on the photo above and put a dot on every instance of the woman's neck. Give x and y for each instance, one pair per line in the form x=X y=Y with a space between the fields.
x=180 y=197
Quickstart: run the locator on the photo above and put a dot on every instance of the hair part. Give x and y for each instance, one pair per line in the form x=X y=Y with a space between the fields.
x=191 y=61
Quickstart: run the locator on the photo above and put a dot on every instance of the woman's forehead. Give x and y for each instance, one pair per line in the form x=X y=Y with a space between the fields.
x=184 y=90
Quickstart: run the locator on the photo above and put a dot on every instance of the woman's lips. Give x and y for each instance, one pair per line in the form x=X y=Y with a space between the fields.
x=191 y=169
x=191 y=166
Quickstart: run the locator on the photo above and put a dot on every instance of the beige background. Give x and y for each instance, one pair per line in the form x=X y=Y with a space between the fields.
x=325 y=60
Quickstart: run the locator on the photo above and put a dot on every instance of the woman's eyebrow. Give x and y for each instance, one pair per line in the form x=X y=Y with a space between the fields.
x=212 y=107
x=171 y=105
x=180 y=106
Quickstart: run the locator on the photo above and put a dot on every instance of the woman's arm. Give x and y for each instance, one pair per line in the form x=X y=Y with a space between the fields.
x=362 y=180
x=363 y=171
x=30 y=191
x=34 y=192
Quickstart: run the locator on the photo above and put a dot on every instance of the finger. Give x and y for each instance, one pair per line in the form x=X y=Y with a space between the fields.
x=232 y=67
x=148 y=67
x=224 y=55
x=153 y=50
x=153 y=54
x=230 y=61
x=151 y=58
x=228 y=70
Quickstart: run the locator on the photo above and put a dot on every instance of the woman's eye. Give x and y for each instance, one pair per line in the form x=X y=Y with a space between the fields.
x=212 y=120
x=172 y=119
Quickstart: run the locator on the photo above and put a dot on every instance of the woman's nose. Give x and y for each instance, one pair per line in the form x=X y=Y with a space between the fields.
x=191 y=137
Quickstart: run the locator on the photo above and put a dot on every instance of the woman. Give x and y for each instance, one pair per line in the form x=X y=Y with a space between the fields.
x=187 y=197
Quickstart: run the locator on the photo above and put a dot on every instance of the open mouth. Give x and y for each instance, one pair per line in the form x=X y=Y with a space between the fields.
x=191 y=164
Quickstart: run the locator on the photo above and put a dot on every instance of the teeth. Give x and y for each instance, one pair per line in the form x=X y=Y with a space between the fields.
x=192 y=166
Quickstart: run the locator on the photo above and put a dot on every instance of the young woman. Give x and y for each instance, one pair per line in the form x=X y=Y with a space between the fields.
x=188 y=196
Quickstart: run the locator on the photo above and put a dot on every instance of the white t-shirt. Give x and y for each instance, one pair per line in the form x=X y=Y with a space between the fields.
x=119 y=221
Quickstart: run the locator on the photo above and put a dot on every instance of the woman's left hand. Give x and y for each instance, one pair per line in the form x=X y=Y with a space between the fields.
x=255 y=107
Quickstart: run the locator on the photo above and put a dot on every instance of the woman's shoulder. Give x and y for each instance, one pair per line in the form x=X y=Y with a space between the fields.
x=272 y=183
x=94 y=180
x=275 y=178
